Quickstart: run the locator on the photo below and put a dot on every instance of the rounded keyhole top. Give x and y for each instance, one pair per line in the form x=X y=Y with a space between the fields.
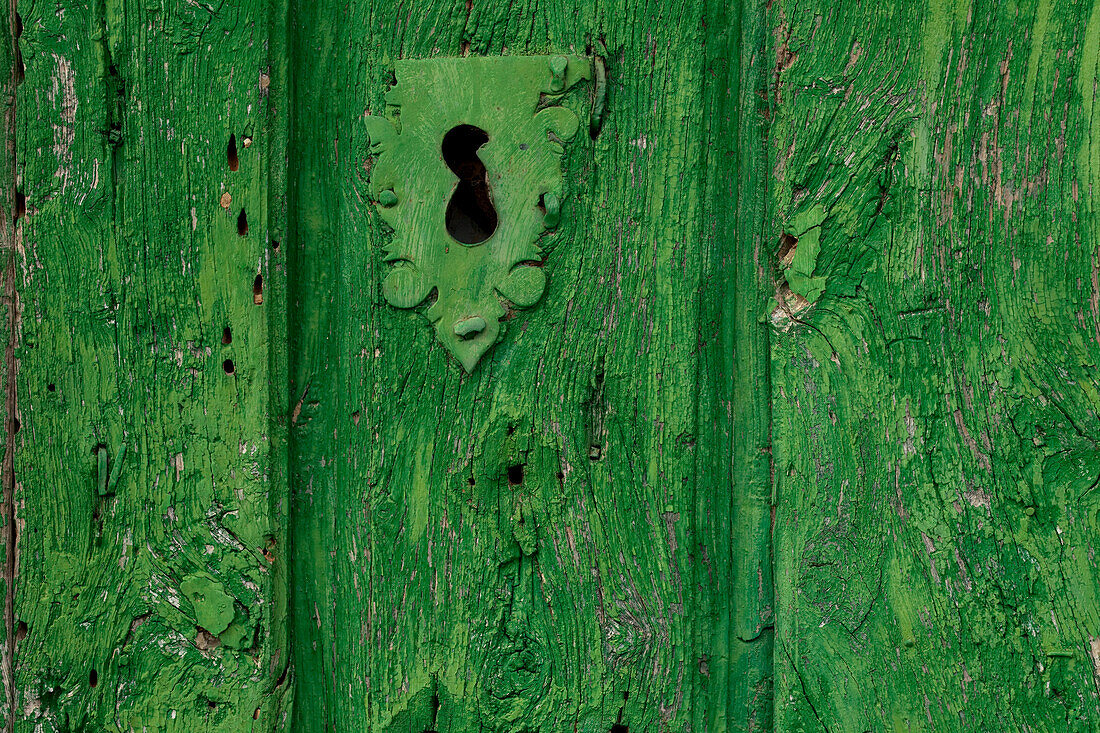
x=471 y=218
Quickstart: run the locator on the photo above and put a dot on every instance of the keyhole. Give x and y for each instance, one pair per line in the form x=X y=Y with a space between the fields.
x=471 y=218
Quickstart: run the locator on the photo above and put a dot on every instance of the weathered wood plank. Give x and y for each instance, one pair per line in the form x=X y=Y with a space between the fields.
x=9 y=238
x=935 y=401
x=146 y=597
x=541 y=544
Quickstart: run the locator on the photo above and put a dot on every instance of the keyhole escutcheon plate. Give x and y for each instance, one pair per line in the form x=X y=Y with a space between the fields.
x=467 y=174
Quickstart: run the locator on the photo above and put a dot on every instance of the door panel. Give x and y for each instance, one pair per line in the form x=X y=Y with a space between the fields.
x=935 y=407
x=547 y=543
x=147 y=344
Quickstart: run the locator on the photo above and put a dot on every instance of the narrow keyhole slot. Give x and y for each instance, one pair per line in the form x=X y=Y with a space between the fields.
x=471 y=218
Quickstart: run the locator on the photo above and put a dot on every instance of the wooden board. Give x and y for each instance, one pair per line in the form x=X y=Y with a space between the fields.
x=150 y=566
x=572 y=537
x=935 y=406
x=11 y=212
x=801 y=436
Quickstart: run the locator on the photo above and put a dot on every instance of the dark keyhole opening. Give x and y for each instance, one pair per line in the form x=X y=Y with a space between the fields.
x=471 y=218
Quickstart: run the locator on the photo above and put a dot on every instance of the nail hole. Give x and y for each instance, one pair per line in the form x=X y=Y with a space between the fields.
x=787 y=245
x=619 y=728
x=211 y=704
x=231 y=154
x=471 y=218
x=275 y=245
x=51 y=387
x=21 y=631
x=227 y=365
x=471 y=481
x=242 y=224
x=227 y=336
x=515 y=474
x=93 y=678
x=258 y=290
x=560 y=475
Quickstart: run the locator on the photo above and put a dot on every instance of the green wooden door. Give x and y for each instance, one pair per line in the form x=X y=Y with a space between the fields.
x=573 y=535
x=799 y=432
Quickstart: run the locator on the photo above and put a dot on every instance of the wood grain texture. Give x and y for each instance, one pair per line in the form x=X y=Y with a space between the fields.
x=149 y=298
x=549 y=543
x=936 y=405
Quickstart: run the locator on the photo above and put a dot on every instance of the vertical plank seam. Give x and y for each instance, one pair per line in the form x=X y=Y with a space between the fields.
x=278 y=327
x=10 y=232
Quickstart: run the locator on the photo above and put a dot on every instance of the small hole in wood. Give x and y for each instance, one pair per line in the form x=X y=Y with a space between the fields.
x=787 y=245
x=619 y=728
x=242 y=224
x=211 y=704
x=21 y=631
x=227 y=336
x=227 y=365
x=16 y=424
x=51 y=387
x=515 y=474
x=471 y=481
x=93 y=678
x=231 y=154
x=560 y=475
x=275 y=245
x=20 y=205
x=258 y=290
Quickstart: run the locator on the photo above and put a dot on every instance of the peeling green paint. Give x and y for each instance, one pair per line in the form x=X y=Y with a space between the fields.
x=213 y=606
x=935 y=432
x=798 y=270
x=149 y=462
